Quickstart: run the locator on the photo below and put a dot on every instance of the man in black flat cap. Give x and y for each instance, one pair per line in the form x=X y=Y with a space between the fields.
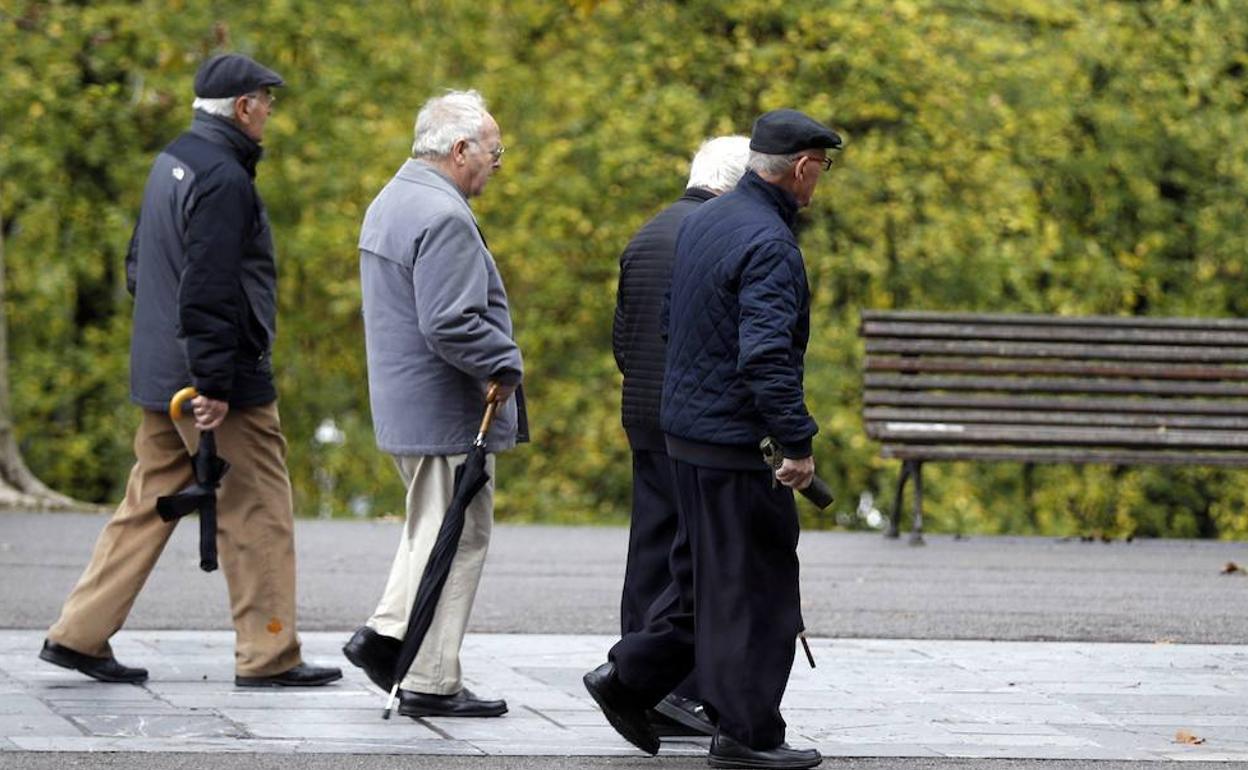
x=738 y=324
x=203 y=274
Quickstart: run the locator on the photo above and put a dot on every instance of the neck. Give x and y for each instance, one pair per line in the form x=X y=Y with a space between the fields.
x=448 y=169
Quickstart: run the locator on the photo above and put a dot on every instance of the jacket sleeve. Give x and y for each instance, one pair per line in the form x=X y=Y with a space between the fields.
x=772 y=286
x=451 y=281
x=208 y=294
x=618 y=343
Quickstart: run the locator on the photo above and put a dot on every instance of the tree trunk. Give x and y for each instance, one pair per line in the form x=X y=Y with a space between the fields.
x=19 y=489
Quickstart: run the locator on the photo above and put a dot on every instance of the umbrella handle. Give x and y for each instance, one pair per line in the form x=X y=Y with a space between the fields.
x=490 y=409
x=180 y=398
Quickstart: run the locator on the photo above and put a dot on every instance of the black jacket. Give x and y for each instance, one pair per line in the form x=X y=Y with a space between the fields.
x=203 y=274
x=645 y=273
x=739 y=324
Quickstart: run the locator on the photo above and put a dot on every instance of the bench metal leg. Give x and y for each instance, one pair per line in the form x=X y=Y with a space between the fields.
x=894 y=522
x=916 y=533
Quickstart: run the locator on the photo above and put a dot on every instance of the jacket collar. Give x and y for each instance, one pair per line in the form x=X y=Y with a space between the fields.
x=778 y=198
x=419 y=172
x=700 y=194
x=223 y=132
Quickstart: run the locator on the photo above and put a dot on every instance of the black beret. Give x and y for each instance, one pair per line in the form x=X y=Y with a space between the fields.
x=783 y=132
x=232 y=74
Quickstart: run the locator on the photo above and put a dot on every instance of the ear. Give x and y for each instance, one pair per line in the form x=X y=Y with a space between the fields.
x=459 y=151
x=242 y=108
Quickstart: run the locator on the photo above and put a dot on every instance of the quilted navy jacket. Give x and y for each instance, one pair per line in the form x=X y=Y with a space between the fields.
x=738 y=321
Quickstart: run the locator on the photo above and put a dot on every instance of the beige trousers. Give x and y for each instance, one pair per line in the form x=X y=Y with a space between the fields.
x=430 y=484
x=255 y=539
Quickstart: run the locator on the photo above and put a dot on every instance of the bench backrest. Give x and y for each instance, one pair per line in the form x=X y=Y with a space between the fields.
x=959 y=386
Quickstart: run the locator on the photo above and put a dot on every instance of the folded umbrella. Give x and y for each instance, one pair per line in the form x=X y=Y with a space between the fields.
x=470 y=478
x=202 y=495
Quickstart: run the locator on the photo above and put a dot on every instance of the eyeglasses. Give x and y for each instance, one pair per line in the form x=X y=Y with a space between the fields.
x=496 y=153
x=263 y=96
x=826 y=161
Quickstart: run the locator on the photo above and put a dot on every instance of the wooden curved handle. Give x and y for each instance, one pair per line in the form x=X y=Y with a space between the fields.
x=180 y=398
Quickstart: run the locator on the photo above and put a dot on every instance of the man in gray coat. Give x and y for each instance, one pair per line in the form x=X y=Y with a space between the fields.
x=439 y=338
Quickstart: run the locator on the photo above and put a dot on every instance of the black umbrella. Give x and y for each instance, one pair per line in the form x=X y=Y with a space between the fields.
x=202 y=495
x=470 y=477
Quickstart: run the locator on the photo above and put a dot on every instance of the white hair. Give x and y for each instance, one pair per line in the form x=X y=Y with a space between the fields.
x=444 y=120
x=719 y=163
x=223 y=107
x=772 y=165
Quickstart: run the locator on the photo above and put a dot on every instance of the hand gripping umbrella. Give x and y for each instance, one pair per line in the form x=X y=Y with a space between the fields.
x=202 y=495
x=470 y=477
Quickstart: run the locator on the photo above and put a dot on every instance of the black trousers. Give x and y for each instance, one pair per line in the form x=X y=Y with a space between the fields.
x=733 y=618
x=658 y=548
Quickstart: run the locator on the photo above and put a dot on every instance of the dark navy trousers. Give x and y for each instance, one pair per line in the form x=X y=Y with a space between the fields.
x=733 y=616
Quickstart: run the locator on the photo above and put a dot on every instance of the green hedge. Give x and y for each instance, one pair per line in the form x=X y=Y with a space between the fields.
x=1004 y=155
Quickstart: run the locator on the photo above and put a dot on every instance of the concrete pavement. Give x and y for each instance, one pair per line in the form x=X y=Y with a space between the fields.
x=894 y=680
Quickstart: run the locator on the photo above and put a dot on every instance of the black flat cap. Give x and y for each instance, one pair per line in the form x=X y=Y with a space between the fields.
x=783 y=132
x=232 y=74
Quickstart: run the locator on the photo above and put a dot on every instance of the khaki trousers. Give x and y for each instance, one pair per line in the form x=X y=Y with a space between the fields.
x=255 y=539
x=430 y=484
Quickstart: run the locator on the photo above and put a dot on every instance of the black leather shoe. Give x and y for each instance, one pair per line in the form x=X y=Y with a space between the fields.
x=301 y=675
x=620 y=709
x=461 y=704
x=374 y=653
x=685 y=715
x=103 y=669
x=726 y=752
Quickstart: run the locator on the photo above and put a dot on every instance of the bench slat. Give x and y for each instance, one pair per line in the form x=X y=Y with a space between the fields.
x=1014 y=319
x=998 y=416
x=1067 y=351
x=913 y=432
x=1053 y=385
x=1058 y=455
x=1091 y=404
x=1084 y=369
x=1044 y=333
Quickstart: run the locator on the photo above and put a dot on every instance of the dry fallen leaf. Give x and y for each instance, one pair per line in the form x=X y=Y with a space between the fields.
x=1185 y=736
x=1231 y=568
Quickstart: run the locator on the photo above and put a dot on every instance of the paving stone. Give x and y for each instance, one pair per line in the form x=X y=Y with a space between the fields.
x=898 y=698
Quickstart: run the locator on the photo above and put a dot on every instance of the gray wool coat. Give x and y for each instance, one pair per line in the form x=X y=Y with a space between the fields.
x=436 y=322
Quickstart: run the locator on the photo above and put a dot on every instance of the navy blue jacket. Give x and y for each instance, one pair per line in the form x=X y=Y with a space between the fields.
x=645 y=272
x=738 y=323
x=203 y=274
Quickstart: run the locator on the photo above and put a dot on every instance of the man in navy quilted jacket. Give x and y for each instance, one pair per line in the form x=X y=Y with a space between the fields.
x=738 y=325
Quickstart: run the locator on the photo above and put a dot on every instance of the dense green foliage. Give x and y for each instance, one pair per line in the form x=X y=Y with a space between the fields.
x=1006 y=155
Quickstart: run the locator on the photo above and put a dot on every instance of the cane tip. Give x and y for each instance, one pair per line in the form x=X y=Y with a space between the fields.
x=385 y=714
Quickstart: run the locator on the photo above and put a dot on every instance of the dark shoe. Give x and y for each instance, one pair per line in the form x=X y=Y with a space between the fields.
x=301 y=675
x=688 y=714
x=726 y=752
x=374 y=653
x=103 y=669
x=628 y=719
x=461 y=704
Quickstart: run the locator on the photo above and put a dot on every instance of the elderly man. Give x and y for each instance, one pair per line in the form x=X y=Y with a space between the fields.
x=439 y=339
x=645 y=272
x=739 y=324
x=202 y=271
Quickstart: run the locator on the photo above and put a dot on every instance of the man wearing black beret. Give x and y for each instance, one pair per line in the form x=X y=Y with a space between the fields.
x=203 y=274
x=738 y=324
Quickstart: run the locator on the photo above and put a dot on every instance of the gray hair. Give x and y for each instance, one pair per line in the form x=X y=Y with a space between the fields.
x=444 y=120
x=719 y=163
x=223 y=108
x=772 y=165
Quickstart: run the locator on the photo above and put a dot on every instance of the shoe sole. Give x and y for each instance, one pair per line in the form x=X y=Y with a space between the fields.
x=358 y=662
x=238 y=682
x=683 y=717
x=56 y=660
x=625 y=729
x=422 y=713
x=747 y=764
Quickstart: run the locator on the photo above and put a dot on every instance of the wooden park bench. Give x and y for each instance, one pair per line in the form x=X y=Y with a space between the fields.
x=1045 y=389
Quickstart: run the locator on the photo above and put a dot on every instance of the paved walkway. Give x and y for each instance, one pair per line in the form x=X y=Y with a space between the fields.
x=891 y=698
